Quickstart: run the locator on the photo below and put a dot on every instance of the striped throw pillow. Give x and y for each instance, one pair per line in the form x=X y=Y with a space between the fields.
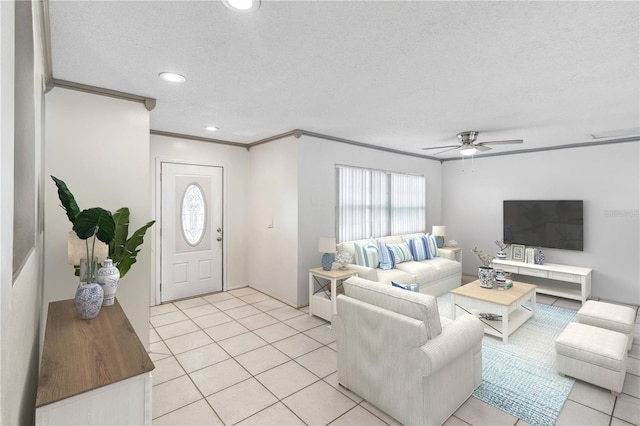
x=433 y=247
x=401 y=252
x=386 y=257
x=367 y=254
x=418 y=248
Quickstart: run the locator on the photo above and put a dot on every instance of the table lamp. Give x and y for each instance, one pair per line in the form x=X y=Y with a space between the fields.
x=440 y=232
x=77 y=249
x=327 y=245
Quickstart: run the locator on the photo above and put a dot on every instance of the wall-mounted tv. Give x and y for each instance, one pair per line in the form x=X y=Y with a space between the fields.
x=544 y=223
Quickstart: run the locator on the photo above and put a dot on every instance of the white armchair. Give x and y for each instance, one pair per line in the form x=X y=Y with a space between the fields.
x=396 y=352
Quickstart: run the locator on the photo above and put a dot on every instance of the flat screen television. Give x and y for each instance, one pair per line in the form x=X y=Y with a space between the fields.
x=544 y=223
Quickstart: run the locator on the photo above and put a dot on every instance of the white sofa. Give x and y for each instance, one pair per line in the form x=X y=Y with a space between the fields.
x=436 y=276
x=396 y=352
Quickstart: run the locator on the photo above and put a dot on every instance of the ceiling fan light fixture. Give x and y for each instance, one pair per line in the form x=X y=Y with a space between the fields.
x=172 y=77
x=242 y=6
x=468 y=150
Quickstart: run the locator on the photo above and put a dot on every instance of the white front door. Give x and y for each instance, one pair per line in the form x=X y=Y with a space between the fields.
x=191 y=230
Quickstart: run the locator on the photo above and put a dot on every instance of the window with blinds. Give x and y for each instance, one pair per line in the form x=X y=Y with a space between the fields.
x=374 y=203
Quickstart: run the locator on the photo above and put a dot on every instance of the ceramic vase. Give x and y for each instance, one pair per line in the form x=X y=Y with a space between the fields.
x=89 y=297
x=485 y=274
x=108 y=277
x=539 y=258
x=327 y=262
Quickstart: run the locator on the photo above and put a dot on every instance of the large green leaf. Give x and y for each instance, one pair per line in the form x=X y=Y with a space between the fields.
x=95 y=221
x=124 y=251
x=67 y=199
x=116 y=247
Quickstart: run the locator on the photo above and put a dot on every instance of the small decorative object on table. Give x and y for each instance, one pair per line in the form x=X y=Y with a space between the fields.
x=327 y=245
x=529 y=255
x=485 y=272
x=539 y=258
x=108 y=277
x=89 y=295
x=501 y=279
x=517 y=252
x=440 y=232
x=502 y=245
x=491 y=317
x=344 y=258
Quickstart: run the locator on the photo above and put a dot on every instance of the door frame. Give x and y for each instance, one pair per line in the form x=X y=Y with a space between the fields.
x=157 y=202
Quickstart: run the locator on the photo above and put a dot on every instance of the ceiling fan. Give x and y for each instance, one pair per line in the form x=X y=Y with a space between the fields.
x=468 y=146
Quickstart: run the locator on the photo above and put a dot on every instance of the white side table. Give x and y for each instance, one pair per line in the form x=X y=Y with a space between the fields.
x=453 y=253
x=322 y=303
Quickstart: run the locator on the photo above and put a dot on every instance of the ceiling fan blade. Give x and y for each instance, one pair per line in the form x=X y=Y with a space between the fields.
x=451 y=148
x=441 y=147
x=512 y=141
x=482 y=148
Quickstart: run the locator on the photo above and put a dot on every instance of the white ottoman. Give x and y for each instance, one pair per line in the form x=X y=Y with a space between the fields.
x=592 y=354
x=607 y=315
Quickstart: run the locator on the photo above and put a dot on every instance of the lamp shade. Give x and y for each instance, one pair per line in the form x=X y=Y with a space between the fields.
x=77 y=249
x=439 y=230
x=327 y=245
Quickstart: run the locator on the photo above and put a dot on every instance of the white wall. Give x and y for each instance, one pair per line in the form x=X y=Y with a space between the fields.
x=605 y=177
x=272 y=252
x=317 y=192
x=234 y=160
x=20 y=299
x=99 y=146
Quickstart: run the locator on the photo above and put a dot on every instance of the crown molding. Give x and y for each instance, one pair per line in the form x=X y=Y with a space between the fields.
x=149 y=103
x=198 y=138
x=552 y=148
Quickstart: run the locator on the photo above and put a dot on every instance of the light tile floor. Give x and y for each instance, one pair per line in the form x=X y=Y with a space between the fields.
x=242 y=357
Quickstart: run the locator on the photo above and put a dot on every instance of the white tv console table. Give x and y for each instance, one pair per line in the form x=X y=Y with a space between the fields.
x=571 y=282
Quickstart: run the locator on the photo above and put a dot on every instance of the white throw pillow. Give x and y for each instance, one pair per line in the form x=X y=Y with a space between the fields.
x=367 y=254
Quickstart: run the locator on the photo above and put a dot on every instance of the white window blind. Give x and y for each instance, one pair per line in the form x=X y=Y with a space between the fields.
x=375 y=203
x=407 y=204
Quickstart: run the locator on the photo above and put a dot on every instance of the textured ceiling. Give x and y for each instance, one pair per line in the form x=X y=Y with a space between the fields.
x=399 y=74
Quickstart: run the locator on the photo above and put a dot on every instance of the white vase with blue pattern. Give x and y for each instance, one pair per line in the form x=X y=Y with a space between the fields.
x=486 y=276
x=89 y=297
x=108 y=278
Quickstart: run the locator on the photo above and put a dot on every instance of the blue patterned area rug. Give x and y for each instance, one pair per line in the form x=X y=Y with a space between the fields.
x=520 y=377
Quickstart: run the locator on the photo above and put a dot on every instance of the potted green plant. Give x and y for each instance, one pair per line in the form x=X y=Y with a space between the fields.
x=485 y=272
x=112 y=229
x=88 y=225
x=123 y=249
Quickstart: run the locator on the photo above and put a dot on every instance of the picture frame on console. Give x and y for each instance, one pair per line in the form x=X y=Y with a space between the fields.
x=517 y=252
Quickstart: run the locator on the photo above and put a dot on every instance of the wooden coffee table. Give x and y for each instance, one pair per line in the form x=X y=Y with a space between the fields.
x=505 y=303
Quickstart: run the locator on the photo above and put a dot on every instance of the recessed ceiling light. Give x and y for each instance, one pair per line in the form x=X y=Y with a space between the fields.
x=172 y=77
x=242 y=5
x=211 y=128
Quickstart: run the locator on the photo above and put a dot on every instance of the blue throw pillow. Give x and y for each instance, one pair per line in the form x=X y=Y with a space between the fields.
x=386 y=257
x=418 y=248
x=409 y=287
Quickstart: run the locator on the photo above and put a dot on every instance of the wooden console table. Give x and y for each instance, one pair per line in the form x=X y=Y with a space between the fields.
x=93 y=371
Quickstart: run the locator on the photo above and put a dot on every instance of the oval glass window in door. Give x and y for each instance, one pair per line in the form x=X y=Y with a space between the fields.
x=193 y=214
